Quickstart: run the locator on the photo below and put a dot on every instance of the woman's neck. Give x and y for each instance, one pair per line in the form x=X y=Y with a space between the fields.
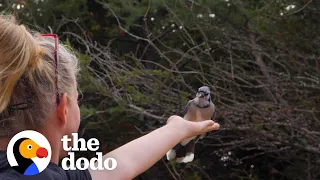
x=55 y=143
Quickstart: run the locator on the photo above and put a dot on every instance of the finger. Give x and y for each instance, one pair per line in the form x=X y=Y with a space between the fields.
x=213 y=127
x=207 y=123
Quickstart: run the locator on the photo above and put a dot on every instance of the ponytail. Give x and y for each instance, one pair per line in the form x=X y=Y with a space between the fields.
x=27 y=77
x=19 y=54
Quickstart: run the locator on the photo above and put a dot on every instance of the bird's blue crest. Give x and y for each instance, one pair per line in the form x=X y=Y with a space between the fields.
x=204 y=89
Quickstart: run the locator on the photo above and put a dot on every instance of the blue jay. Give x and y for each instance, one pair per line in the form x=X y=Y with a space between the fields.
x=198 y=109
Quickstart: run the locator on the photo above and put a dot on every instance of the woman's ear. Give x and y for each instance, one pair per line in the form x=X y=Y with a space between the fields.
x=62 y=110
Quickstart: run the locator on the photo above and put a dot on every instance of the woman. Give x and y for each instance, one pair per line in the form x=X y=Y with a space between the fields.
x=38 y=91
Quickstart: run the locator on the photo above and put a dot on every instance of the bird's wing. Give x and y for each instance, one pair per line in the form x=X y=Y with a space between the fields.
x=185 y=110
x=214 y=112
x=214 y=115
x=212 y=118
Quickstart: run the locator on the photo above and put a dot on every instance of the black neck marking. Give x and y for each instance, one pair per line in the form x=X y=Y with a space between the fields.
x=23 y=163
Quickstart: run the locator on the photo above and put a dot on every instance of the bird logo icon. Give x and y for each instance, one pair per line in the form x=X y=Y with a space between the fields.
x=29 y=153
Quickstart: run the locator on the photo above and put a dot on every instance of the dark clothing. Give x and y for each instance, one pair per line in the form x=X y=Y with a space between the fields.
x=52 y=172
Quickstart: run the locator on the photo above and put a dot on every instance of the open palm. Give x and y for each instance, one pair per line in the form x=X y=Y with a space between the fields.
x=189 y=128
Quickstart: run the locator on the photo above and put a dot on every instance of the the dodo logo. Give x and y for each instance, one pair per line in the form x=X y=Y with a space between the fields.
x=29 y=152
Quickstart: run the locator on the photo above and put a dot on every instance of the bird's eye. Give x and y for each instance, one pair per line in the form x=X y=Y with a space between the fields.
x=29 y=147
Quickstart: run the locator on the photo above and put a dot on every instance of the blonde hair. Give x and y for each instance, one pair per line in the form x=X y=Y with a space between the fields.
x=27 y=75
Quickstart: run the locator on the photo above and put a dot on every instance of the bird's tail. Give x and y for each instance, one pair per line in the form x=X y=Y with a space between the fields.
x=182 y=153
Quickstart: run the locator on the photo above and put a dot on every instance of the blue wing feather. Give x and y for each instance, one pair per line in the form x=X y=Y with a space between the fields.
x=185 y=110
x=214 y=114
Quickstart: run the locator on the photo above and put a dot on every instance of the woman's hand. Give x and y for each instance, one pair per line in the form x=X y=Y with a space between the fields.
x=189 y=128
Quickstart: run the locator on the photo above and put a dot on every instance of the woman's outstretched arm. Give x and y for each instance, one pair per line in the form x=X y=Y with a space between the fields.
x=140 y=154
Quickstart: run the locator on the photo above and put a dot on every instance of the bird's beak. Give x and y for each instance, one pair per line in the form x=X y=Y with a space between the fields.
x=42 y=153
x=201 y=95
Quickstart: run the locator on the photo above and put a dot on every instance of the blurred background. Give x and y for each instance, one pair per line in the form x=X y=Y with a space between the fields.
x=142 y=60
